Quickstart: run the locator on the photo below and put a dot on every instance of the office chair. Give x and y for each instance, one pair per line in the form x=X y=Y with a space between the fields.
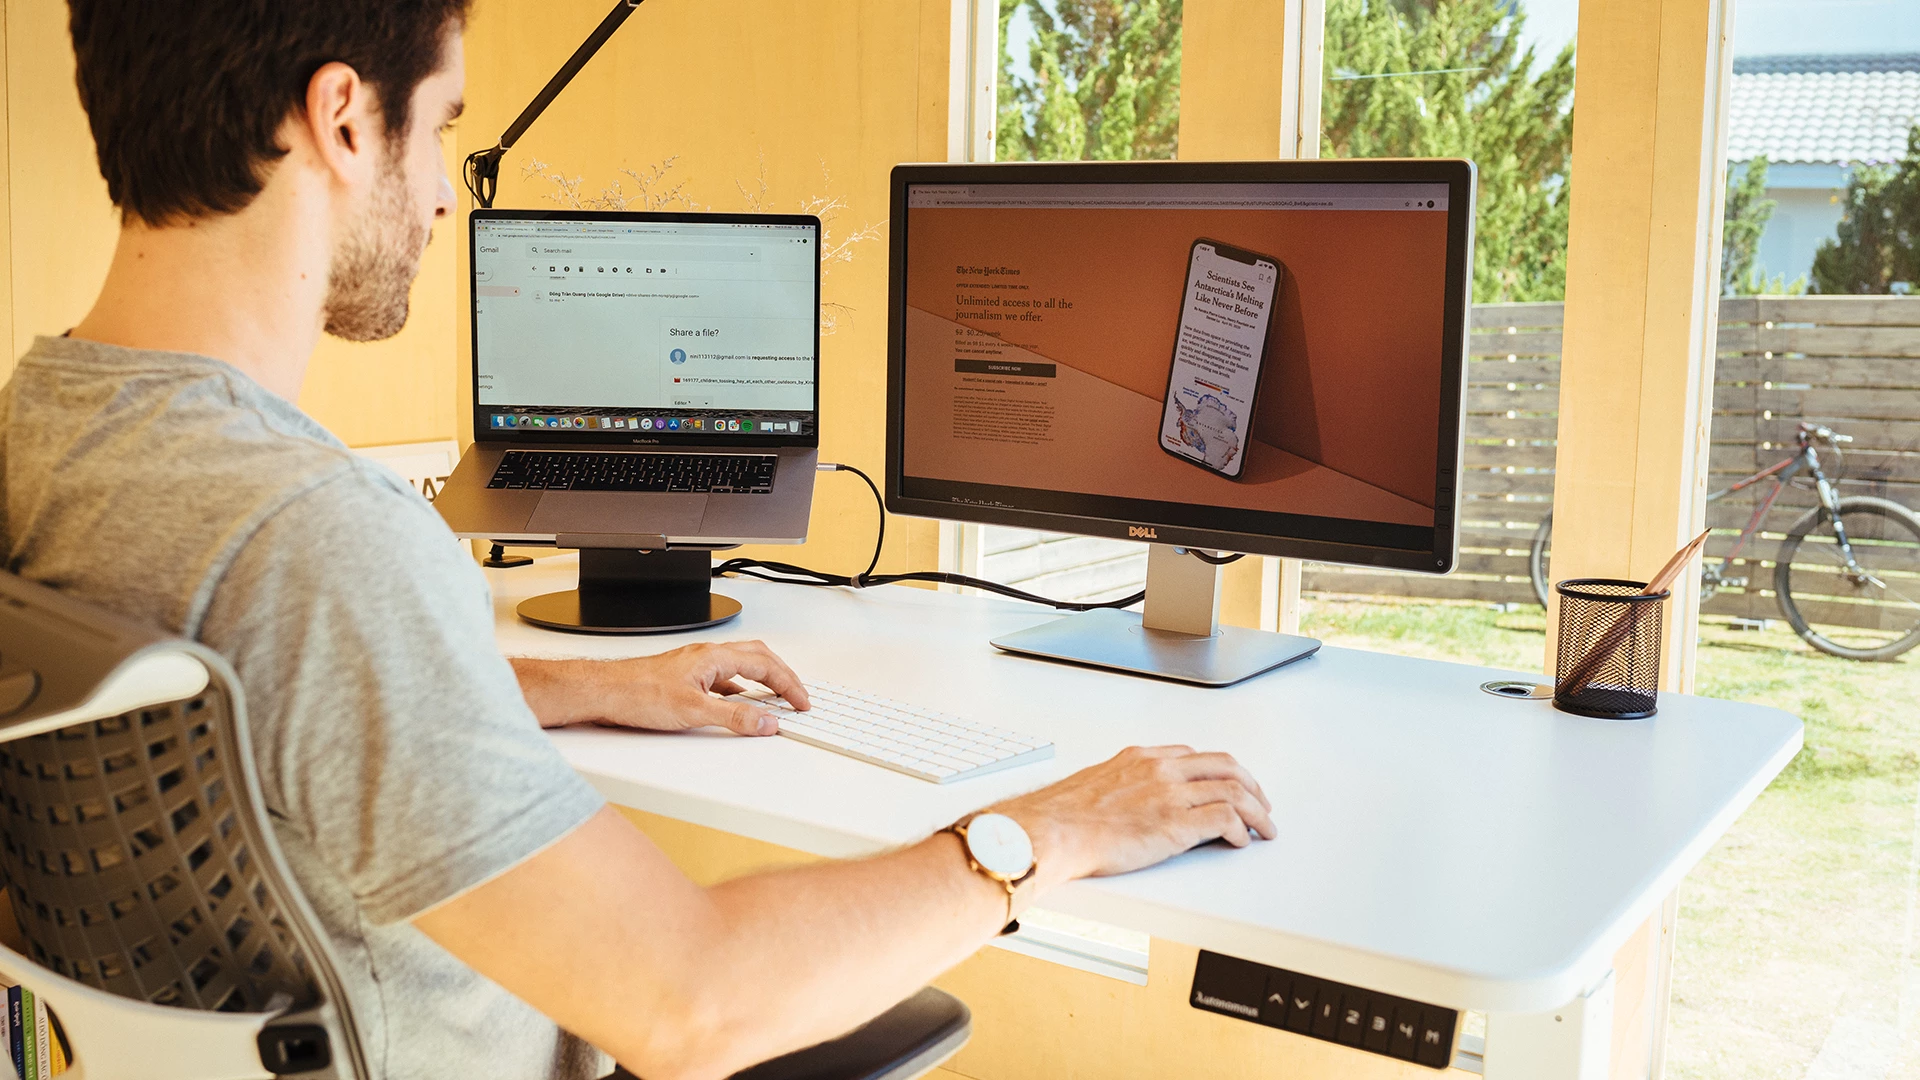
x=166 y=934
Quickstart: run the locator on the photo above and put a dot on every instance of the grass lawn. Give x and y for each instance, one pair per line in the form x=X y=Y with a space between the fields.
x=1797 y=932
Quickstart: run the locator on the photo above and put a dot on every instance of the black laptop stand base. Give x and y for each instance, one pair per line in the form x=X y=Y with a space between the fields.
x=635 y=592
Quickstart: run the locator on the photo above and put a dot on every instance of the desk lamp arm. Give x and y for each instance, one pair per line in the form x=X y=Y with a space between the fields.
x=483 y=166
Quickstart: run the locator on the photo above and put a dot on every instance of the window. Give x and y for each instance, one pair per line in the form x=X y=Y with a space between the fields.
x=1080 y=80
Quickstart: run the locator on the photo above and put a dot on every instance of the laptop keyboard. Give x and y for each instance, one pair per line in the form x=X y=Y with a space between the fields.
x=566 y=470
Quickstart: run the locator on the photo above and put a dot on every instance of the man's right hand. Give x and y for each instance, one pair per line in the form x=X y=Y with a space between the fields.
x=762 y=964
x=1142 y=806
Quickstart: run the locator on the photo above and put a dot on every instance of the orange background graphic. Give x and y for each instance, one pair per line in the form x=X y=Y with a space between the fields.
x=1351 y=381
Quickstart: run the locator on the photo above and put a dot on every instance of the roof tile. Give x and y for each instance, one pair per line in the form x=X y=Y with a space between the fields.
x=1823 y=109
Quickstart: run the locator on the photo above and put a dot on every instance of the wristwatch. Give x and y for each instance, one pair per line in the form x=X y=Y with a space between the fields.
x=999 y=849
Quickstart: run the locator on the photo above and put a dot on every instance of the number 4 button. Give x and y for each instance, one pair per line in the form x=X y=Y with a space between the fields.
x=1405 y=1036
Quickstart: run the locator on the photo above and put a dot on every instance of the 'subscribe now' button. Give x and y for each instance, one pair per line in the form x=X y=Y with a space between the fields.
x=1003 y=367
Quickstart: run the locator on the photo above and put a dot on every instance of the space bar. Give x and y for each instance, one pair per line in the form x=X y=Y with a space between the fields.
x=791 y=724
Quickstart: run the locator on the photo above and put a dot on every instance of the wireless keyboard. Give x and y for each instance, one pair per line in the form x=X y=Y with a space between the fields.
x=923 y=743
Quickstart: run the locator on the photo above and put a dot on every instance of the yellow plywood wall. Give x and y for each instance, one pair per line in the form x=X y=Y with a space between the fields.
x=815 y=101
x=819 y=101
x=59 y=231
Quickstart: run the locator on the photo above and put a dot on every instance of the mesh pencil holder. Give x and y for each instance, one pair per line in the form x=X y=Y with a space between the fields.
x=1609 y=648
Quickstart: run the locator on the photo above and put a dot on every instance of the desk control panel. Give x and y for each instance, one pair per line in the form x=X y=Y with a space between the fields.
x=1348 y=1015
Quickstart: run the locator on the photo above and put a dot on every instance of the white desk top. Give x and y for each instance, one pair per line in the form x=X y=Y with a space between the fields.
x=1435 y=841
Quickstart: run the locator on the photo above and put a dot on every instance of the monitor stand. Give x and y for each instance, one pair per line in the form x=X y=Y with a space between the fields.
x=627 y=591
x=1178 y=637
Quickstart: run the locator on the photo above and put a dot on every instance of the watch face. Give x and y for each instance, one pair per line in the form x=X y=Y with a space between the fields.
x=998 y=843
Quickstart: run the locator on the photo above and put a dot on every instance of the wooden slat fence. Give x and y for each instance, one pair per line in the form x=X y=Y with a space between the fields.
x=1852 y=363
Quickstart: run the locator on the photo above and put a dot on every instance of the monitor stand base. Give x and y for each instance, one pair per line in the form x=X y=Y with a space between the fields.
x=635 y=592
x=1177 y=637
x=1116 y=640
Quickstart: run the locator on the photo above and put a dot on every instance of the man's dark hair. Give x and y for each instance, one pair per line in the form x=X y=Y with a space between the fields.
x=186 y=97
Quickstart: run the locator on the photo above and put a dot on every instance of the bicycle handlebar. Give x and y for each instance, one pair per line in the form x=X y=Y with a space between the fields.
x=1823 y=433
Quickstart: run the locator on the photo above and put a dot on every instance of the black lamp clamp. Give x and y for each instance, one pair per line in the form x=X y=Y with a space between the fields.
x=483 y=166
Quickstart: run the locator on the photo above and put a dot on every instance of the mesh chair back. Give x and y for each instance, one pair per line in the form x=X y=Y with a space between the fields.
x=128 y=867
x=136 y=851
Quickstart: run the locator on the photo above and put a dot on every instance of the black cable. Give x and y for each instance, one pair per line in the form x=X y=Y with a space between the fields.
x=789 y=574
x=1213 y=560
x=880 y=507
x=1007 y=590
x=482 y=173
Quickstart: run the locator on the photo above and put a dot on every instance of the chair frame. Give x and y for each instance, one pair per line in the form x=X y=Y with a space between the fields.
x=86 y=667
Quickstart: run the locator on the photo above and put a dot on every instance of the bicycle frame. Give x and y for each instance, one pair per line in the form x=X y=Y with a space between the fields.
x=1807 y=460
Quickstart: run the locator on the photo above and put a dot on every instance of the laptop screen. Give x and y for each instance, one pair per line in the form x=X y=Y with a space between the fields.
x=655 y=327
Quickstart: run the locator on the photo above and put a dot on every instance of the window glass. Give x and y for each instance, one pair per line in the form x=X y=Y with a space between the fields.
x=1796 y=939
x=1491 y=81
x=1082 y=80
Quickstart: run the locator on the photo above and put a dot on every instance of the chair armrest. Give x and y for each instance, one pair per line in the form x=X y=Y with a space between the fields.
x=903 y=1042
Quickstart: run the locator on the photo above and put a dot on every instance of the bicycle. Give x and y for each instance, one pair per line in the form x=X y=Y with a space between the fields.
x=1855 y=551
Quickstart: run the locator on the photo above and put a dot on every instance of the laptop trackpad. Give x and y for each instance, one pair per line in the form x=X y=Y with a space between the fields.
x=618 y=512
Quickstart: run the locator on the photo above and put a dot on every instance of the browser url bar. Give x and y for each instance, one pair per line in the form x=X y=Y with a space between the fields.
x=1179 y=203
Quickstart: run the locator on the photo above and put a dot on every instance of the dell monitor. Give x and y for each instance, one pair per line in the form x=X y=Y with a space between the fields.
x=645 y=389
x=1258 y=357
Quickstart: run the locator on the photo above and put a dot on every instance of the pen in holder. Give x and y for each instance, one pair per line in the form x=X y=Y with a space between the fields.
x=1608 y=662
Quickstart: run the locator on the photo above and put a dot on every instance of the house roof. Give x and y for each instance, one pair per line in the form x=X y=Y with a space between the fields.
x=1823 y=109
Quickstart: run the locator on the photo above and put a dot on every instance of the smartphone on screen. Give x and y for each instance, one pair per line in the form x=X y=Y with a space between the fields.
x=1219 y=353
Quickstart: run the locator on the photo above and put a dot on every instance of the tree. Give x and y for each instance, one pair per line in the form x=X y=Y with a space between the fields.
x=1744 y=221
x=1445 y=78
x=1877 y=247
x=1103 y=81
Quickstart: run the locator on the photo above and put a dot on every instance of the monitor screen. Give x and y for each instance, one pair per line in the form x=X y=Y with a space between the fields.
x=1258 y=357
x=646 y=327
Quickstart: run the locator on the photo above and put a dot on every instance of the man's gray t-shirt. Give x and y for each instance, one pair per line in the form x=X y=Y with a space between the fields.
x=398 y=758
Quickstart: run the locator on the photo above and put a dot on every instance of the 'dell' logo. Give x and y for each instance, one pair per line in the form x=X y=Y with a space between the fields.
x=1143 y=532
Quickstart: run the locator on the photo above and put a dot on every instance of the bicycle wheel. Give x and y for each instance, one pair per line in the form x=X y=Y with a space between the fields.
x=1537 y=558
x=1872 y=614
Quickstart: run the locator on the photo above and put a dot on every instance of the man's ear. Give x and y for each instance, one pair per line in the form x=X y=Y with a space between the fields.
x=342 y=121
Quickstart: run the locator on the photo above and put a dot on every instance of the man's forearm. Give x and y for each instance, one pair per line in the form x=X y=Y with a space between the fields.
x=603 y=934
x=560 y=692
x=813 y=952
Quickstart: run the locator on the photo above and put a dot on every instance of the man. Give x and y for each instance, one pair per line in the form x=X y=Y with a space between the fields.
x=277 y=167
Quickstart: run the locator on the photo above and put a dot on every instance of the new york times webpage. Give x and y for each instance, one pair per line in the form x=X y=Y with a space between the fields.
x=1272 y=347
x=624 y=315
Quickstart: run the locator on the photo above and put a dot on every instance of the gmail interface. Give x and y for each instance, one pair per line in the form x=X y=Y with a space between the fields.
x=598 y=321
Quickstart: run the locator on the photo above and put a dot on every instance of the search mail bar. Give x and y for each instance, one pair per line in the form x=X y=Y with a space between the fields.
x=590 y=250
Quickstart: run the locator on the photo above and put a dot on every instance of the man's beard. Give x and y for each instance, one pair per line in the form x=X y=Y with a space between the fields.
x=373 y=270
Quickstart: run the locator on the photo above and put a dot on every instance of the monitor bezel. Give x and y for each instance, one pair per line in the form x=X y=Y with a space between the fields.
x=1340 y=540
x=483 y=432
